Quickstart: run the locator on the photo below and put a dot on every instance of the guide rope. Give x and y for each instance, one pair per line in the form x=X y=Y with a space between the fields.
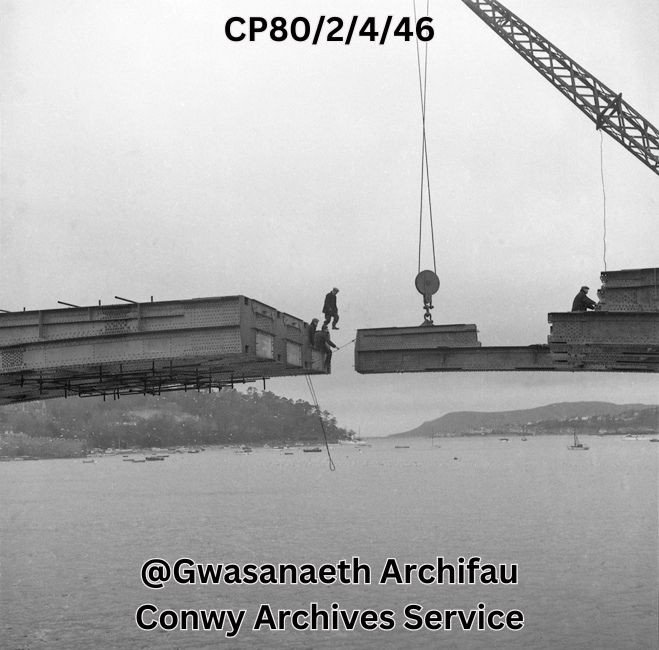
x=425 y=173
x=332 y=466
x=345 y=344
x=603 y=196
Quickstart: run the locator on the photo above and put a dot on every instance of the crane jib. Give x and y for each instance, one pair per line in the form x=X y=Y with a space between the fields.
x=603 y=106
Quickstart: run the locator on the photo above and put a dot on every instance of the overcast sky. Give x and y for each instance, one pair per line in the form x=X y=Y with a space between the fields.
x=144 y=154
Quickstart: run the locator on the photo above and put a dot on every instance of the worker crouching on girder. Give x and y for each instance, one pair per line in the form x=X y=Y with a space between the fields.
x=324 y=343
x=582 y=302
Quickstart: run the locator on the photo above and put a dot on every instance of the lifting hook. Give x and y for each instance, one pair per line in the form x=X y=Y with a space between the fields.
x=427 y=284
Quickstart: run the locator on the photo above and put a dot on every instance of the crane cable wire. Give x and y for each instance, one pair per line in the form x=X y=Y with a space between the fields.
x=332 y=466
x=423 y=85
x=603 y=196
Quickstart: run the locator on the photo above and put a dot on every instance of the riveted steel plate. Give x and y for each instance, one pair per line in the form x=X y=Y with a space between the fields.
x=11 y=359
x=264 y=323
x=453 y=359
x=629 y=298
x=149 y=348
x=414 y=338
x=605 y=357
x=630 y=278
x=214 y=314
x=605 y=327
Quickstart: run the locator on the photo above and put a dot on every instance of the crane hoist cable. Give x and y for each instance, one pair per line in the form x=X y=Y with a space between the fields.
x=425 y=174
x=603 y=197
x=426 y=281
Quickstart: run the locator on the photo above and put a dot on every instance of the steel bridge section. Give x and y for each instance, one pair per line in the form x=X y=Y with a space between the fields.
x=621 y=336
x=423 y=358
x=149 y=348
x=417 y=352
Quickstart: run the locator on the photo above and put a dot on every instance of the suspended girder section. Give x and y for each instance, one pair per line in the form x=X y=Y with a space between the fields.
x=622 y=336
x=603 y=106
x=415 y=352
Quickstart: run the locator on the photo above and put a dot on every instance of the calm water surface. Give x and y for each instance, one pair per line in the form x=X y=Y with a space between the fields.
x=582 y=527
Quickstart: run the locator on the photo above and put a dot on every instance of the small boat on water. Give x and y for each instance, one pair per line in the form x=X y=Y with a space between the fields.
x=504 y=440
x=401 y=447
x=577 y=446
x=654 y=439
x=523 y=439
x=310 y=450
x=358 y=442
x=154 y=458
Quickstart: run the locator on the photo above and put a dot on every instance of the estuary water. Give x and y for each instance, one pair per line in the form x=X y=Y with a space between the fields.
x=581 y=527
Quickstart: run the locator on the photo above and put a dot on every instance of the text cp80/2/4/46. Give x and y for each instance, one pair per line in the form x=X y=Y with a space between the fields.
x=332 y=29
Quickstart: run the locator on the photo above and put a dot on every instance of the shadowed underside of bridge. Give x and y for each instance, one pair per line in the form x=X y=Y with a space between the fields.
x=149 y=348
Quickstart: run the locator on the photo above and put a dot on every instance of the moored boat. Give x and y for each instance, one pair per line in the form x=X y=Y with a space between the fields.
x=577 y=446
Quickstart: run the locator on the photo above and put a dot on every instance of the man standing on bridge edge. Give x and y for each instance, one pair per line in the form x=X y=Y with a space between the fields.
x=582 y=302
x=325 y=343
x=330 y=309
x=312 y=331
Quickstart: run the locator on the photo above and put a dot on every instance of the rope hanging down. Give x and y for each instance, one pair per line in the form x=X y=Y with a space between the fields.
x=322 y=424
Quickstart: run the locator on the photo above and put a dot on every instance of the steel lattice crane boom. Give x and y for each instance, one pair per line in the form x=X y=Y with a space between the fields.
x=601 y=104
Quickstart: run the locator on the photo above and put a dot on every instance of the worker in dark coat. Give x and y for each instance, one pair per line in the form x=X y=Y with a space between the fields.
x=330 y=309
x=582 y=302
x=312 y=331
x=325 y=344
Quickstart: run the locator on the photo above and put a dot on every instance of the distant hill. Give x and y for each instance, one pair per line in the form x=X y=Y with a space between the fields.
x=465 y=421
